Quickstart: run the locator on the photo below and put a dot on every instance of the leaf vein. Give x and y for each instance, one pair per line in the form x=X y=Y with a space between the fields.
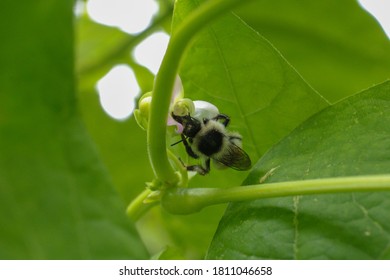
x=234 y=91
x=366 y=213
x=296 y=200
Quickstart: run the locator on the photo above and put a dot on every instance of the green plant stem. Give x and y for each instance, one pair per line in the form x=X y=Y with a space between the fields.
x=165 y=78
x=182 y=170
x=187 y=201
x=137 y=207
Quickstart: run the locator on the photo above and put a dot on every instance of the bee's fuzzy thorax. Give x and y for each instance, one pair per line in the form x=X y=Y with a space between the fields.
x=209 y=139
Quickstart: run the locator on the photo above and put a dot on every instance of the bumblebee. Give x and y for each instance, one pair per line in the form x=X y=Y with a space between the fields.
x=207 y=139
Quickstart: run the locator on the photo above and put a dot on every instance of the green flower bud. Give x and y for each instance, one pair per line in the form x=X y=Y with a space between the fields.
x=142 y=113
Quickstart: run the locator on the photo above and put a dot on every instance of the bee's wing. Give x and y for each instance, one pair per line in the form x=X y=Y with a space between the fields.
x=234 y=157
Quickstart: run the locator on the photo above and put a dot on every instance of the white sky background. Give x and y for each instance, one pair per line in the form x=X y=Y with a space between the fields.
x=118 y=88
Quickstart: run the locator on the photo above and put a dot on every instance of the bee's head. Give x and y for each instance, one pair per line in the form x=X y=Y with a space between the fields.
x=191 y=126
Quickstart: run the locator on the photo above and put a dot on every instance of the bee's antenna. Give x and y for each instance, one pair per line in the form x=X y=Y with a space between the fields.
x=177 y=142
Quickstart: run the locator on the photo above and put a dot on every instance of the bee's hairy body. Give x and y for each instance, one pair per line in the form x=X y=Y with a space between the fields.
x=209 y=139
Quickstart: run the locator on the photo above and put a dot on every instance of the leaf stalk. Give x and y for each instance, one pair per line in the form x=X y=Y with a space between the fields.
x=164 y=82
x=137 y=207
x=191 y=200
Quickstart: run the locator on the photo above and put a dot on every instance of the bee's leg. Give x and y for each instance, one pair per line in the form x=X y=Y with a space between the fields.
x=200 y=169
x=189 y=151
x=208 y=165
x=225 y=119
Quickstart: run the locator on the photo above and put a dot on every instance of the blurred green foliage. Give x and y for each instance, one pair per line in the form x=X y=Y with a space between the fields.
x=57 y=200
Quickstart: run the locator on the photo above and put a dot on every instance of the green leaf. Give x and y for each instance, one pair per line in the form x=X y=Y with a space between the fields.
x=347 y=139
x=235 y=68
x=338 y=47
x=56 y=200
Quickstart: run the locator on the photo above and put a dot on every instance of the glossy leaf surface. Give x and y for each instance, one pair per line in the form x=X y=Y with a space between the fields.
x=347 y=139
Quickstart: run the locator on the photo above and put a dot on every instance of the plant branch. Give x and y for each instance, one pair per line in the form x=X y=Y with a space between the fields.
x=137 y=207
x=164 y=82
x=188 y=201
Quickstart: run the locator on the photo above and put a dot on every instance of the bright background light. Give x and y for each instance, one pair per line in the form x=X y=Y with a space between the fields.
x=150 y=52
x=131 y=16
x=380 y=9
x=119 y=88
x=117 y=92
